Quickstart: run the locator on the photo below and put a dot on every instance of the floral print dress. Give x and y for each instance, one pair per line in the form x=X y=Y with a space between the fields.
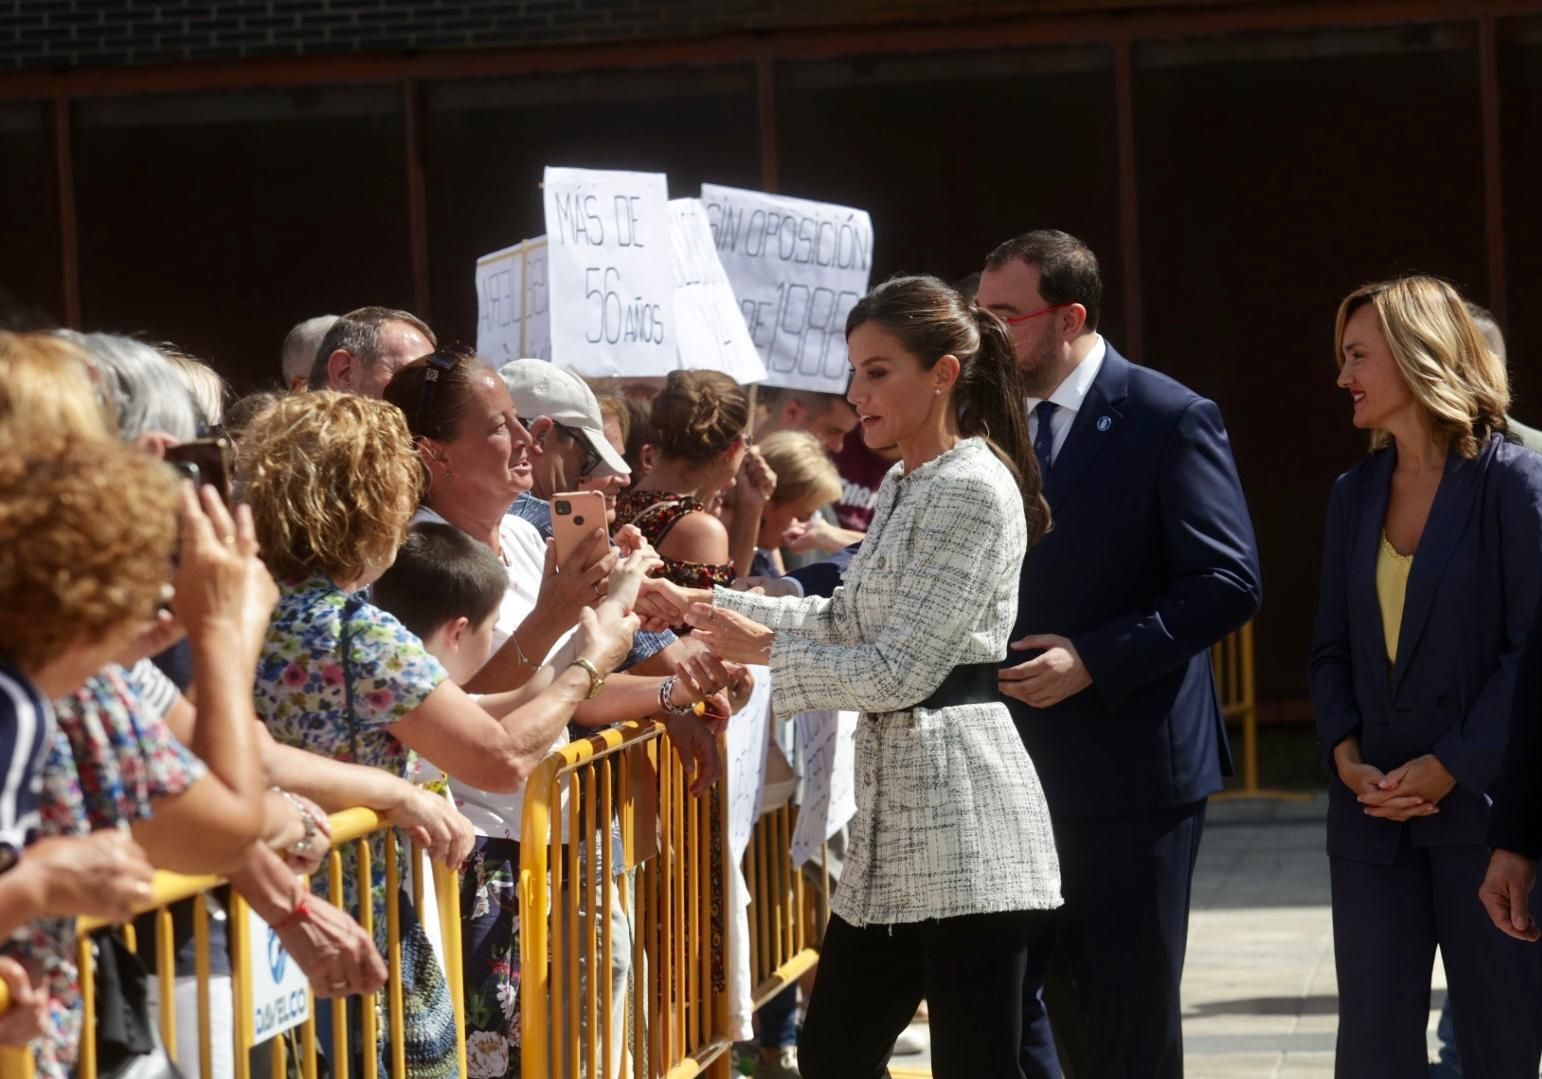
x=109 y=760
x=334 y=675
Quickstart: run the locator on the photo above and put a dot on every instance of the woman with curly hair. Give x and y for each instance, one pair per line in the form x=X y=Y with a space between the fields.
x=128 y=751
x=333 y=480
x=87 y=527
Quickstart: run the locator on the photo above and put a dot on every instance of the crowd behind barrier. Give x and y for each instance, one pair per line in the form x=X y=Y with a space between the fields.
x=627 y=777
x=561 y=645
x=352 y=827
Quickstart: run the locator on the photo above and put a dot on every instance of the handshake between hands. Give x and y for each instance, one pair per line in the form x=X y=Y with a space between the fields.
x=729 y=634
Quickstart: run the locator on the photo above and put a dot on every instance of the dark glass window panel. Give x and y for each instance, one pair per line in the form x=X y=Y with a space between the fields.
x=1277 y=173
x=487 y=142
x=31 y=288
x=219 y=220
x=952 y=153
x=1520 y=73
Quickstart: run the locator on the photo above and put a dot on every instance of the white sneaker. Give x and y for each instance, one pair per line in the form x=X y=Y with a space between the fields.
x=785 y=1066
x=915 y=1039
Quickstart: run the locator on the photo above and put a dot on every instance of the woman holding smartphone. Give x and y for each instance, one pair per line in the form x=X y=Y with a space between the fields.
x=952 y=864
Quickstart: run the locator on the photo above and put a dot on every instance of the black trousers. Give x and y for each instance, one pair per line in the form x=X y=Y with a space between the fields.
x=970 y=970
x=1124 y=930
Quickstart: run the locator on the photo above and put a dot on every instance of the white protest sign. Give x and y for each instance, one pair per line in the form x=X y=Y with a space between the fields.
x=798 y=268
x=535 y=336
x=747 y=737
x=607 y=260
x=710 y=332
x=512 y=318
x=827 y=747
x=280 y=997
x=500 y=304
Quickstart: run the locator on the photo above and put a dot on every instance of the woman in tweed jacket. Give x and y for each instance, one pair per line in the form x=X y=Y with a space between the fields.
x=952 y=865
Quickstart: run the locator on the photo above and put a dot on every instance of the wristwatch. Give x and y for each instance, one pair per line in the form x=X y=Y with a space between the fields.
x=596 y=679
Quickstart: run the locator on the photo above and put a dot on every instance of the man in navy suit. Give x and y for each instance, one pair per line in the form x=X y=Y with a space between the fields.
x=1151 y=559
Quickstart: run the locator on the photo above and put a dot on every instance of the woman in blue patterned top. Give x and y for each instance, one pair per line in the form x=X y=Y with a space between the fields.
x=332 y=480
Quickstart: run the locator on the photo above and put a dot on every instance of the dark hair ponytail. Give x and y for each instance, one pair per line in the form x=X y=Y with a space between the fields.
x=992 y=402
x=932 y=320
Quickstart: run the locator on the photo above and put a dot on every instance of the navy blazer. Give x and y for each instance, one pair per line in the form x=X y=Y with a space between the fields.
x=1150 y=561
x=1515 y=821
x=1472 y=595
x=823 y=578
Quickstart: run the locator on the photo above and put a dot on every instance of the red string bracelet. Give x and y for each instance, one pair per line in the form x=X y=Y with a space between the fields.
x=300 y=913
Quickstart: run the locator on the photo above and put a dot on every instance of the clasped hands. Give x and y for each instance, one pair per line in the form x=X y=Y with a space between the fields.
x=1410 y=790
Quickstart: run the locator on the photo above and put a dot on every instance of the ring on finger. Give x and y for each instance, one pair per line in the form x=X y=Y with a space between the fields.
x=339 y=985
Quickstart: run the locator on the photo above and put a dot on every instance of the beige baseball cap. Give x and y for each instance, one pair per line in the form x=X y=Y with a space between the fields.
x=541 y=388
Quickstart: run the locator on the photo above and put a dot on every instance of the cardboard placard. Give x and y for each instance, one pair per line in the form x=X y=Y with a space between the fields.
x=710 y=331
x=608 y=271
x=797 y=267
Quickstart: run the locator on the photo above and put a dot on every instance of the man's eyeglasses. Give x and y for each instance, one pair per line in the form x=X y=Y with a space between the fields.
x=1013 y=320
x=592 y=458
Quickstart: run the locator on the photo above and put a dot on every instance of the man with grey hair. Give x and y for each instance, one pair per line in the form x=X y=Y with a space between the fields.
x=364 y=348
x=1488 y=326
x=299 y=352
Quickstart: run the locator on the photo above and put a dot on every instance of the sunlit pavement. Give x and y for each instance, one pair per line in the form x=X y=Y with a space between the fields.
x=1259 y=993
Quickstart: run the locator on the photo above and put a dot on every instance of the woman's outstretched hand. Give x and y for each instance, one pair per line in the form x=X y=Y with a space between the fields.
x=730 y=634
x=662 y=603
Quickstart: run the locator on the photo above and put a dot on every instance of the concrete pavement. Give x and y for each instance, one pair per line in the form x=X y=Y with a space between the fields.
x=1259 y=992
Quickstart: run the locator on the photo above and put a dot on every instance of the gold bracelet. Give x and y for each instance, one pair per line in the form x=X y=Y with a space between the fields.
x=596 y=679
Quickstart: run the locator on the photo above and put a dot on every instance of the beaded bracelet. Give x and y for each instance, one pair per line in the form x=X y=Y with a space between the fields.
x=302 y=846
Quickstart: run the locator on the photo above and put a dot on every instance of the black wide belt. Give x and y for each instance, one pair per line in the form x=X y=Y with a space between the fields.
x=969 y=683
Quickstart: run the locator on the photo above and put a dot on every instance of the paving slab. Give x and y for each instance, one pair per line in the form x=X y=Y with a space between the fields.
x=1260 y=994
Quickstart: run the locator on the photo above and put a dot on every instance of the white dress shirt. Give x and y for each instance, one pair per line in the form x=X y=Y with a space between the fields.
x=1069 y=395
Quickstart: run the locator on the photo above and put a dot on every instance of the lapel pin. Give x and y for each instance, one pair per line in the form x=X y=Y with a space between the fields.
x=1104 y=423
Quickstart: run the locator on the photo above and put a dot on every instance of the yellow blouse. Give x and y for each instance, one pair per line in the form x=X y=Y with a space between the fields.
x=1391 y=586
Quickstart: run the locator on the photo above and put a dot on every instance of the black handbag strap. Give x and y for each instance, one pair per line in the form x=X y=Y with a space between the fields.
x=351 y=608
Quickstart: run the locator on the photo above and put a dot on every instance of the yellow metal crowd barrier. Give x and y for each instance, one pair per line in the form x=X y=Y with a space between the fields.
x=1232 y=660
x=783 y=910
x=355 y=826
x=610 y=823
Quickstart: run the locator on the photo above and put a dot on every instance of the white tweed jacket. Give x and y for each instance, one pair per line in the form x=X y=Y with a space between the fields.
x=951 y=819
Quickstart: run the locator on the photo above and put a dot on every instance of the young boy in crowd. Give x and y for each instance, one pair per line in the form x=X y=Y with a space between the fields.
x=446 y=588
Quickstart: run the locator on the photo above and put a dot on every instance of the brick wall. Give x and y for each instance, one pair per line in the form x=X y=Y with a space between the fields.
x=61 y=34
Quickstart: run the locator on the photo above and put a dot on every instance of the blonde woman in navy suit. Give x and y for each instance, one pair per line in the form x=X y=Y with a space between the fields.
x=1432 y=570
